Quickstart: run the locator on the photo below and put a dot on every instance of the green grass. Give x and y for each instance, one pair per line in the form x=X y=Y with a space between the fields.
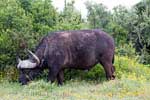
x=123 y=89
x=132 y=83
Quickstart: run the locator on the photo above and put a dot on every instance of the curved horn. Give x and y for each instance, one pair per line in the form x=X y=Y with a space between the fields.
x=19 y=60
x=35 y=57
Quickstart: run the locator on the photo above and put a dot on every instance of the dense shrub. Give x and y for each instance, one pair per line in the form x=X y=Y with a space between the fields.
x=126 y=50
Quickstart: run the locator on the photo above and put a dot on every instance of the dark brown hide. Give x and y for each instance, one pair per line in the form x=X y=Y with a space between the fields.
x=80 y=49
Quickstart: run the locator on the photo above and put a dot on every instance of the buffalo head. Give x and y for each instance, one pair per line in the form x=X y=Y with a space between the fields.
x=28 y=68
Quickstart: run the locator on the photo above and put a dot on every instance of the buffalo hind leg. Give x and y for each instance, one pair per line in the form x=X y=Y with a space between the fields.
x=109 y=68
x=60 y=77
x=113 y=71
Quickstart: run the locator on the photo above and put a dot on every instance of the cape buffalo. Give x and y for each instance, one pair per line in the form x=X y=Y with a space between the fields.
x=78 y=49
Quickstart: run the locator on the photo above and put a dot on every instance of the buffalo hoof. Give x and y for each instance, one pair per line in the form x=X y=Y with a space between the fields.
x=111 y=78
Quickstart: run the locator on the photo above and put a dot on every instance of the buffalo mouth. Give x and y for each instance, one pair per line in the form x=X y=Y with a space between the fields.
x=23 y=81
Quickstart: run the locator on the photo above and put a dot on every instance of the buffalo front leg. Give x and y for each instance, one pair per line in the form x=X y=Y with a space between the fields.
x=53 y=71
x=60 y=77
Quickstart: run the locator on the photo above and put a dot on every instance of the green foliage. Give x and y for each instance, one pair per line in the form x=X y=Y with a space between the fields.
x=96 y=73
x=126 y=50
x=69 y=18
x=24 y=22
x=145 y=56
x=44 y=16
x=125 y=25
x=141 y=28
x=98 y=16
x=118 y=25
x=125 y=67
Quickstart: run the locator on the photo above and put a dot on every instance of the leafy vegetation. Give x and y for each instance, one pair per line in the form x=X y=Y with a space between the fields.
x=125 y=25
x=24 y=22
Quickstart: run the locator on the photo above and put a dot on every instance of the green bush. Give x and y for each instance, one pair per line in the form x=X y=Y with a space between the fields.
x=126 y=50
x=144 y=57
x=127 y=67
x=10 y=73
